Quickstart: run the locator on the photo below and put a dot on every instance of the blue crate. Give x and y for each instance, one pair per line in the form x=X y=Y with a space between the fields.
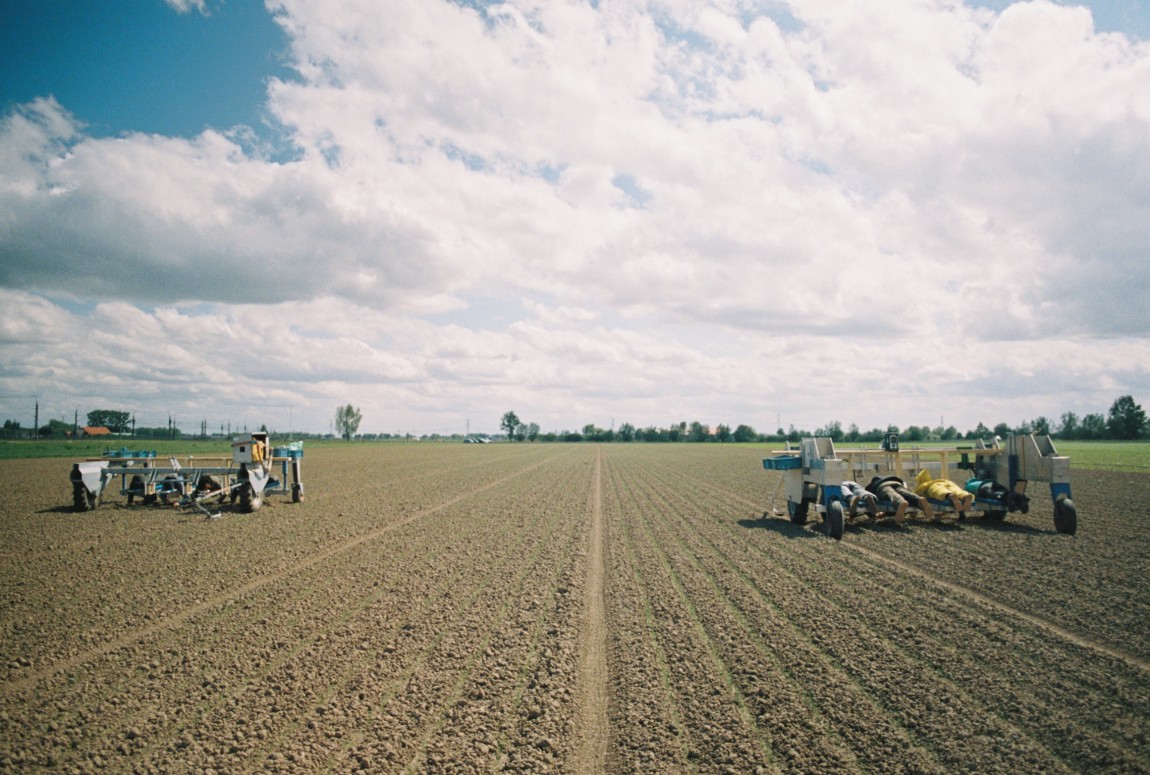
x=782 y=463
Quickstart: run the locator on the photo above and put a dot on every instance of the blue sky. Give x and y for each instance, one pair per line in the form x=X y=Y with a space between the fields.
x=140 y=66
x=735 y=212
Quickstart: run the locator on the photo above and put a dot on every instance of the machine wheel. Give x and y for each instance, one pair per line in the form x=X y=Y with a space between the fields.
x=833 y=520
x=1065 y=516
x=249 y=501
x=798 y=511
x=297 y=493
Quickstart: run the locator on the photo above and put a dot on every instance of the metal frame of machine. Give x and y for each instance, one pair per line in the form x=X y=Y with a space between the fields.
x=813 y=476
x=244 y=478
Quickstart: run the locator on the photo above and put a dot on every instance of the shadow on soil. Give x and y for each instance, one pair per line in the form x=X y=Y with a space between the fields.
x=783 y=526
x=69 y=509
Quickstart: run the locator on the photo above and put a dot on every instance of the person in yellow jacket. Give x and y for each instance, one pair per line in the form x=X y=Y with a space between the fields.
x=943 y=490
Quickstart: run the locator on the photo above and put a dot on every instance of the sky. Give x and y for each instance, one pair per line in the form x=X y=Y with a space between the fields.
x=762 y=212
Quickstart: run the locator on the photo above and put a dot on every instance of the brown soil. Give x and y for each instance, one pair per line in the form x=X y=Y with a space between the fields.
x=571 y=608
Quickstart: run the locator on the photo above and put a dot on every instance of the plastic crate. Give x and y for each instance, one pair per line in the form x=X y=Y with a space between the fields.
x=782 y=463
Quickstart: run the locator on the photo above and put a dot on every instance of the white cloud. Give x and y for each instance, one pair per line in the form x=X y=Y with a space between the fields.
x=673 y=207
x=183 y=6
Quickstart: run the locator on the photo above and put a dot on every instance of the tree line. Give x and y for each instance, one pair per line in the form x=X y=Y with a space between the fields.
x=1125 y=421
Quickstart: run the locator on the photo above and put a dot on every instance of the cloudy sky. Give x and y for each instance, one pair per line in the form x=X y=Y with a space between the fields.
x=768 y=212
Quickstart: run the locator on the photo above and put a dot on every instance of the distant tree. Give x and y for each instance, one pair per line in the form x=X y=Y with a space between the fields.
x=530 y=431
x=744 y=433
x=1040 y=425
x=509 y=423
x=915 y=433
x=1093 y=427
x=592 y=432
x=1002 y=430
x=833 y=430
x=57 y=429
x=116 y=422
x=626 y=432
x=1126 y=419
x=949 y=433
x=698 y=432
x=980 y=432
x=723 y=433
x=1068 y=427
x=347 y=419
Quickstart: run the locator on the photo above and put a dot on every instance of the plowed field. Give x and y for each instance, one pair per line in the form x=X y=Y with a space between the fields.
x=568 y=608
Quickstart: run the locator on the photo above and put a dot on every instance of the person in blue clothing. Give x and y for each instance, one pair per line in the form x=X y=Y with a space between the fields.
x=855 y=493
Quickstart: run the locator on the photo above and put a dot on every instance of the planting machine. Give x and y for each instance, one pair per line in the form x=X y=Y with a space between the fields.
x=244 y=478
x=996 y=476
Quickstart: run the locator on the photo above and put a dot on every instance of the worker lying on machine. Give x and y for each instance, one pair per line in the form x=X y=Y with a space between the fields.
x=893 y=489
x=855 y=493
x=943 y=490
x=988 y=489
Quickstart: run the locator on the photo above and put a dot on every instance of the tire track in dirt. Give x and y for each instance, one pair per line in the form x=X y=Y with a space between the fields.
x=650 y=728
x=1037 y=621
x=726 y=731
x=1037 y=714
x=176 y=619
x=516 y=576
x=592 y=732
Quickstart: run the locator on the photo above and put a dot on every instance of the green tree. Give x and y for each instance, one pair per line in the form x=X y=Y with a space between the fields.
x=723 y=433
x=626 y=432
x=55 y=429
x=745 y=433
x=1093 y=427
x=510 y=423
x=833 y=430
x=347 y=419
x=1068 y=428
x=698 y=432
x=1126 y=419
x=116 y=422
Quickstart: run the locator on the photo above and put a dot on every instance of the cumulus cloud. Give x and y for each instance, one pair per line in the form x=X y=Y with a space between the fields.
x=636 y=185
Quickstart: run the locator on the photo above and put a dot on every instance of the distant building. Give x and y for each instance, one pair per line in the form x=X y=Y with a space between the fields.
x=95 y=430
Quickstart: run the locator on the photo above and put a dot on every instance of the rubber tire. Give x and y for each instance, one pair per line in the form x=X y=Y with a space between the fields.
x=1065 y=516
x=798 y=511
x=833 y=520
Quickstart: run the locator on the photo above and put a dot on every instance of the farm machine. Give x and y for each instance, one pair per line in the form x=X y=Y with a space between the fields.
x=244 y=478
x=996 y=475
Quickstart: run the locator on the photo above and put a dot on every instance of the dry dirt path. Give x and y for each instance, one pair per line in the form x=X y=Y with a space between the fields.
x=568 y=608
